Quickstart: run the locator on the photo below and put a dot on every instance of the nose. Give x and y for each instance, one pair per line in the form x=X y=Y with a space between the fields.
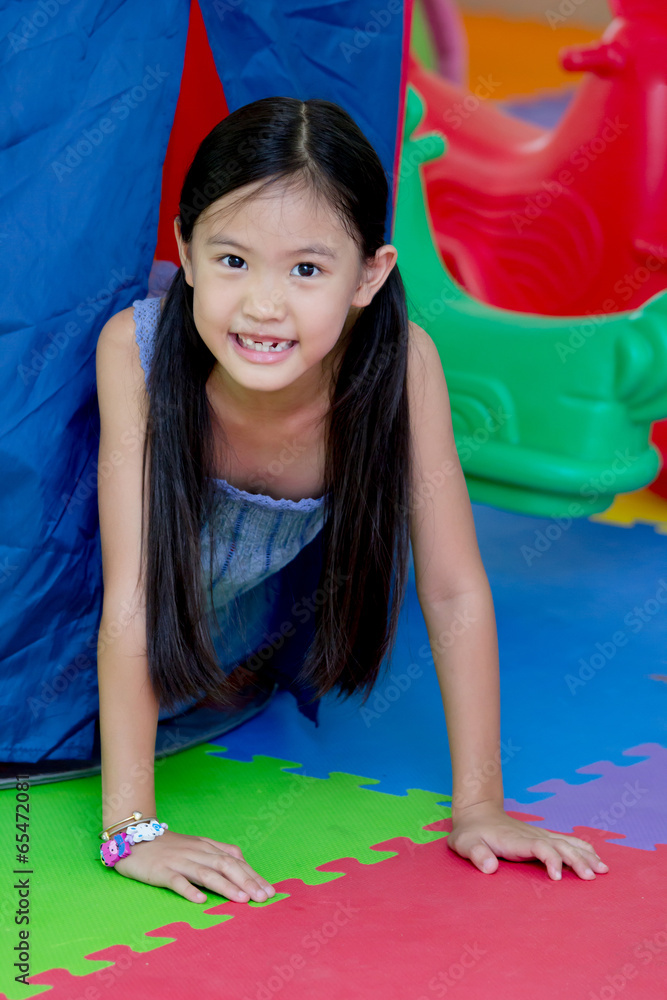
x=264 y=301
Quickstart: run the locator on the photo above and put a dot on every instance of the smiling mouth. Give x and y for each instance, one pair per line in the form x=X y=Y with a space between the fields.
x=262 y=343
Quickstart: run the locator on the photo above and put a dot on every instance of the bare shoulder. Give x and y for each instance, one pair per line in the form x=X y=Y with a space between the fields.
x=420 y=344
x=117 y=355
x=427 y=389
x=429 y=405
x=423 y=357
x=119 y=330
x=419 y=338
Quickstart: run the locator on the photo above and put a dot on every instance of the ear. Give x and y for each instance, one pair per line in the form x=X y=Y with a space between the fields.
x=183 y=251
x=375 y=273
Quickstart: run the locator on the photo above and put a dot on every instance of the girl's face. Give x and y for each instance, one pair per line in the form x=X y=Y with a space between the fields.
x=280 y=269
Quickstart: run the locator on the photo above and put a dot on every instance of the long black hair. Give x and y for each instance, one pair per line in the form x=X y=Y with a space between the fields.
x=368 y=466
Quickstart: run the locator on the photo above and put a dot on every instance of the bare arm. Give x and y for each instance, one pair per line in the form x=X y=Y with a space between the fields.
x=462 y=635
x=453 y=588
x=456 y=600
x=128 y=707
x=128 y=719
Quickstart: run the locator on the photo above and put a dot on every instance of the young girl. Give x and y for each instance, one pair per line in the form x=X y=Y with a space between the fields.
x=289 y=415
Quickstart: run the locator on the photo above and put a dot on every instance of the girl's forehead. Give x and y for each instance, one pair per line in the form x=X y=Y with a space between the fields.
x=293 y=209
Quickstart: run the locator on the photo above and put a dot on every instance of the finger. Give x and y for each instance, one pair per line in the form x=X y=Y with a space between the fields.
x=268 y=888
x=594 y=860
x=169 y=878
x=179 y=883
x=483 y=857
x=232 y=872
x=202 y=874
x=476 y=851
x=543 y=851
x=578 y=859
x=589 y=851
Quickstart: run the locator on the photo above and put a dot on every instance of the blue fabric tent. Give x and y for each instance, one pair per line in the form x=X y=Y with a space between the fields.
x=89 y=93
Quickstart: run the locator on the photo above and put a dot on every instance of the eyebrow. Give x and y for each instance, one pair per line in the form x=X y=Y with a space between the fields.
x=317 y=249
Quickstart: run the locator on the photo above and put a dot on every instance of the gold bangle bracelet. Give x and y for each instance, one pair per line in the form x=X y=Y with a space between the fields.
x=105 y=834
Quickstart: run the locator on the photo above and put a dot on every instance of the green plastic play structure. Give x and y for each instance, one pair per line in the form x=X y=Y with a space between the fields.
x=551 y=415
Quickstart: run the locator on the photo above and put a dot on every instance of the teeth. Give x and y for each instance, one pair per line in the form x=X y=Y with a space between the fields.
x=257 y=345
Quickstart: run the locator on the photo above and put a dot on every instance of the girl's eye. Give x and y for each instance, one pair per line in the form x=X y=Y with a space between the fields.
x=304 y=264
x=233 y=257
x=233 y=263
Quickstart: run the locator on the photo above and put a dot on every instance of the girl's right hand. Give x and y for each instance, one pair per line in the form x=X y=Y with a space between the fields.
x=177 y=860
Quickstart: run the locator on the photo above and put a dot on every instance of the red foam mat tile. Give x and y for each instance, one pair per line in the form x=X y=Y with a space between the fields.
x=416 y=926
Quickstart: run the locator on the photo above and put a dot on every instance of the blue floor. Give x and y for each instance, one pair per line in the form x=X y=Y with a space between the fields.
x=560 y=711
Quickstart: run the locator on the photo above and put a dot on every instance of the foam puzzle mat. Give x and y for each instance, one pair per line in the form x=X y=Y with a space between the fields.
x=349 y=820
x=414 y=925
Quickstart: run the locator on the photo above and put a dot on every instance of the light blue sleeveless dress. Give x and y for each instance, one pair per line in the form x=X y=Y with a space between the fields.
x=266 y=564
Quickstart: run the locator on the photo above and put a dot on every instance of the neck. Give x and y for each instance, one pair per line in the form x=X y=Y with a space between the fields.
x=249 y=405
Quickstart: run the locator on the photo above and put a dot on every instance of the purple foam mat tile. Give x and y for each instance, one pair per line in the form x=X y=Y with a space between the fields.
x=630 y=801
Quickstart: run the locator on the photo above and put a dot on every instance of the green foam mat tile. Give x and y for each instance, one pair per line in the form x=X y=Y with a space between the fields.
x=287 y=824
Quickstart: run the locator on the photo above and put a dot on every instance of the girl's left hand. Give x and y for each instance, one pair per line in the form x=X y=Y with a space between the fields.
x=485 y=832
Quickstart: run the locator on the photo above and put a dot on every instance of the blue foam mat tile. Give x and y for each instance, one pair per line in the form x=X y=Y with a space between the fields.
x=554 y=613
